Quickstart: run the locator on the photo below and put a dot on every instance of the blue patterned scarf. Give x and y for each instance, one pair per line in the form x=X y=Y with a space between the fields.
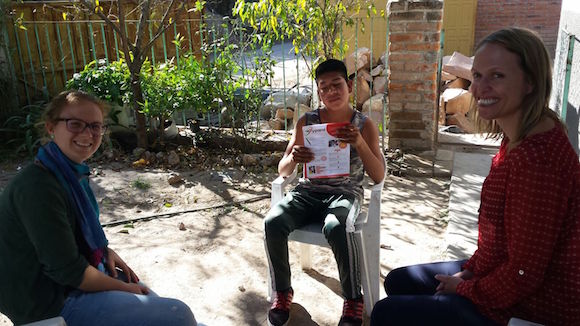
x=74 y=178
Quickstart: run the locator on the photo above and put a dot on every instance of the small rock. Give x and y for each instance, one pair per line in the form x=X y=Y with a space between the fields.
x=250 y=160
x=147 y=155
x=173 y=158
x=182 y=227
x=137 y=152
x=109 y=154
x=175 y=180
x=242 y=288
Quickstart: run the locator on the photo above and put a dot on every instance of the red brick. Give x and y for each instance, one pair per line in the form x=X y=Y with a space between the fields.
x=406 y=76
x=397 y=66
x=414 y=67
x=406 y=37
x=398 y=95
x=406 y=116
x=418 y=106
x=398 y=57
x=397 y=6
x=429 y=97
x=419 y=125
x=398 y=27
x=426 y=5
x=423 y=26
x=404 y=134
x=394 y=107
x=405 y=15
x=423 y=47
x=434 y=16
x=396 y=86
x=492 y=15
x=398 y=47
x=432 y=37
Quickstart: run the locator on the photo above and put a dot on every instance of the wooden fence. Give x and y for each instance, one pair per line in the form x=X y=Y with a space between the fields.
x=54 y=40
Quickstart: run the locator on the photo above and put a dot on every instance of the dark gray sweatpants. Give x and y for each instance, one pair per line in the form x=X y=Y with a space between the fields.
x=297 y=209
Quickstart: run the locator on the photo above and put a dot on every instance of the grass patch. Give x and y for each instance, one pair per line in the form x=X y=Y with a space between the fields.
x=141 y=184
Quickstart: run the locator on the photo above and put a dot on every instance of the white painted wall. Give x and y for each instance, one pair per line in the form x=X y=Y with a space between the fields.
x=570 y=22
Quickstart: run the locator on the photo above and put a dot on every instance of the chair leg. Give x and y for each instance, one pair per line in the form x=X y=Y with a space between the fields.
x=369 y=260
x=305 y=256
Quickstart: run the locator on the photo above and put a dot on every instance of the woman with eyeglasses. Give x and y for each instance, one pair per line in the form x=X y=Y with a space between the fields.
x=54 y=257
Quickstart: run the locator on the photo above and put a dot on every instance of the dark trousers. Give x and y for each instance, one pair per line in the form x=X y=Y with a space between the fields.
x=411 y=299
x=297 y=209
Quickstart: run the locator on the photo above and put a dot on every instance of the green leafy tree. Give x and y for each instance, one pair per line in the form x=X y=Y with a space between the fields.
x=236 y=72
x=314 y=26
x=135 y=49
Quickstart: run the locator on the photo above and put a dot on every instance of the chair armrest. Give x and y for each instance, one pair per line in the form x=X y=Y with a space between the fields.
x=520 y=322
x=374 y=207
x=377 y=188
x=56 y=321
x=278 y=186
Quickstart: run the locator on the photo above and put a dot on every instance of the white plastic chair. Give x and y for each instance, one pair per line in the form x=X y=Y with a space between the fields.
x=56 y=321
x=367 y=233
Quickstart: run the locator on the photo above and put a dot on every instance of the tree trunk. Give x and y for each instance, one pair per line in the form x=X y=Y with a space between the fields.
x=138 y=98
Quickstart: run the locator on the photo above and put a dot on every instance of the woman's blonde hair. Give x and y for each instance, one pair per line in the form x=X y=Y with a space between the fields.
x=59 y=102
x=535 y=63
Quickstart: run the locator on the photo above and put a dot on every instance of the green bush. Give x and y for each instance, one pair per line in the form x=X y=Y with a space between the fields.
x=109 y=82
x=166 y=90
x=22 y=132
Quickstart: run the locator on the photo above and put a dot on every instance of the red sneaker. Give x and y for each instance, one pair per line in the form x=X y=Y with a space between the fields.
x=280 y=311
x=352 y=313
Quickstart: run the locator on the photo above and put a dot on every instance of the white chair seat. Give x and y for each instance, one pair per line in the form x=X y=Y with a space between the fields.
x=367 y=231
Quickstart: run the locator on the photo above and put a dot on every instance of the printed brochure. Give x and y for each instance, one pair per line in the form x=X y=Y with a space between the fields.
x=331 y=156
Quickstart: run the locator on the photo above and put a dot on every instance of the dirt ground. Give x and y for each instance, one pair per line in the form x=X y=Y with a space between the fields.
x=202 y=239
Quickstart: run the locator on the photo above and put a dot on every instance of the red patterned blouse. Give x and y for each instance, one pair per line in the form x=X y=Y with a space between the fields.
x=527 y=263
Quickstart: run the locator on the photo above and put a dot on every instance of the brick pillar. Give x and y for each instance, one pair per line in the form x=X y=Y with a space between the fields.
x=415 y=27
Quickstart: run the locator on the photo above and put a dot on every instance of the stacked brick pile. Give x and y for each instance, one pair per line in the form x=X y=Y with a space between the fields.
x=456 y=100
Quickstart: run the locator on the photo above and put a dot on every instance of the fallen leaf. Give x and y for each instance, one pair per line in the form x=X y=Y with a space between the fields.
x=124 y=231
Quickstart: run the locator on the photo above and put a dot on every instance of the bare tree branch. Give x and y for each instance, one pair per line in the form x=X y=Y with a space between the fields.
x=143 y=23
x=88 y=4
x=127 y=46
x=162 y=26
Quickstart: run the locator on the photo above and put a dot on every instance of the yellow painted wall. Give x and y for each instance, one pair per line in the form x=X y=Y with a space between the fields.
x=459 y=25
x=377 y=25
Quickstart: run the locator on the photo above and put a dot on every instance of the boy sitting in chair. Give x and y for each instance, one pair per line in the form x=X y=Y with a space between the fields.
x=327 y=199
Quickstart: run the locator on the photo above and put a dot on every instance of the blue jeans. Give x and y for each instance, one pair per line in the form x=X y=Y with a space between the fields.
x=411 y=299
x=124 y=308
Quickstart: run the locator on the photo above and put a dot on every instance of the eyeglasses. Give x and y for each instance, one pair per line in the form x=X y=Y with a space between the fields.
x=78 y=126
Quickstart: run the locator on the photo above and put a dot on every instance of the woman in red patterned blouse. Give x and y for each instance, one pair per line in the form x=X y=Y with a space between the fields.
x=527 y=264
